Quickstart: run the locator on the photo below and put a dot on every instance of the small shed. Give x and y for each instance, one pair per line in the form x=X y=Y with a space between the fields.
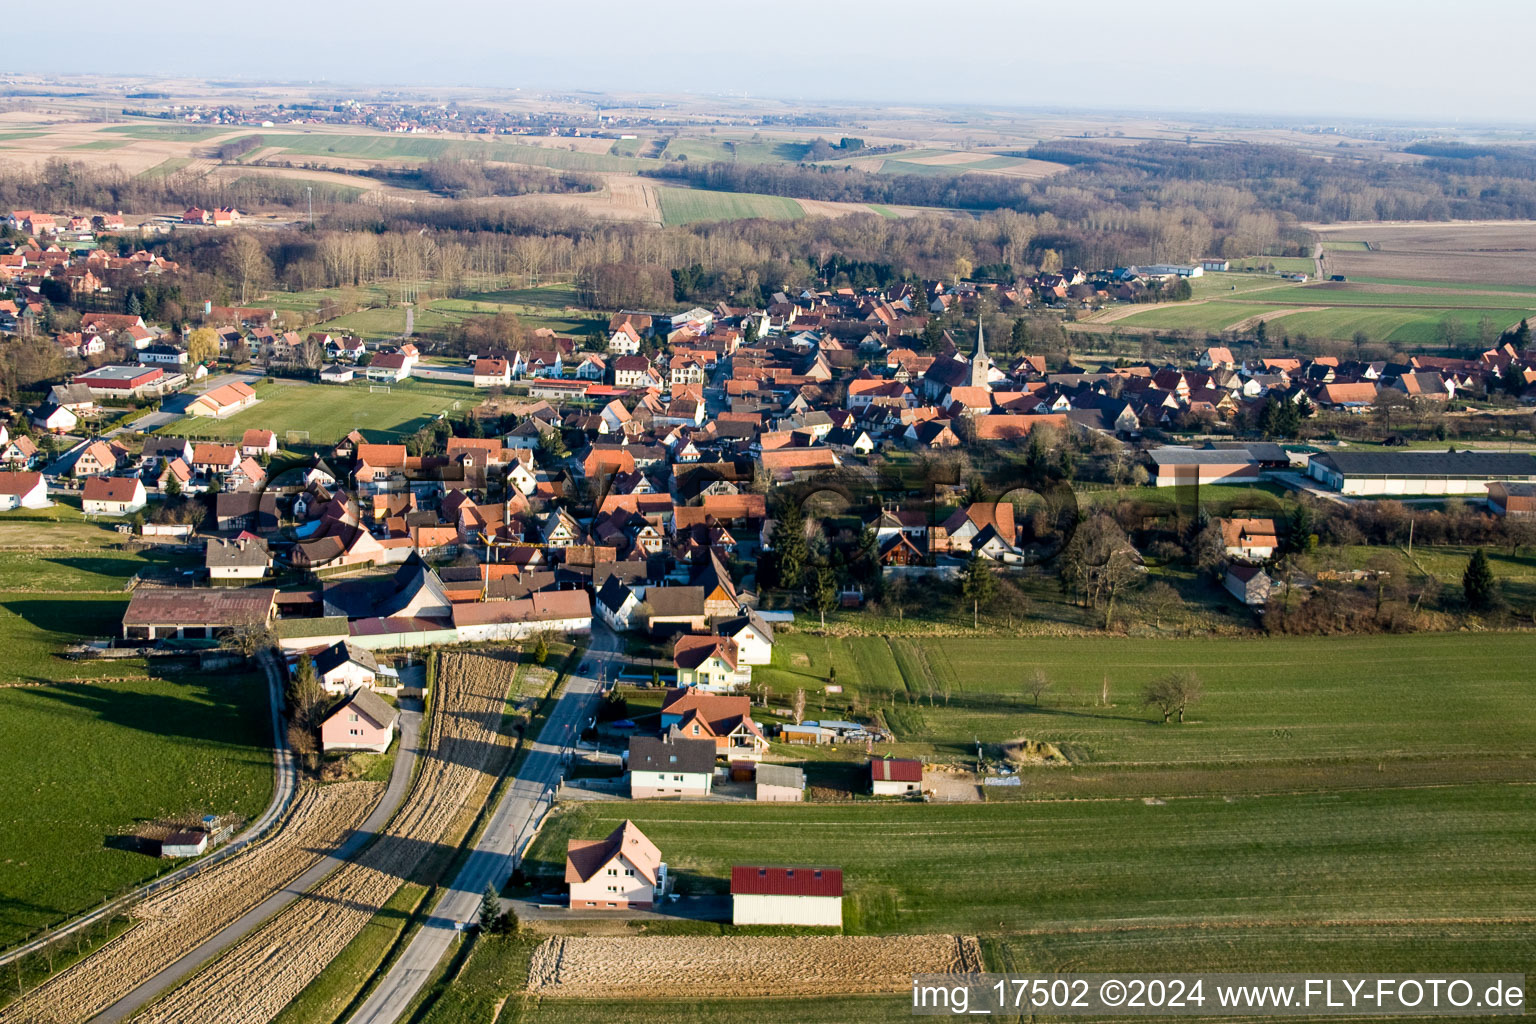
x=189 y=843
x=787 y=896
x=892 y=776
x=779 y=783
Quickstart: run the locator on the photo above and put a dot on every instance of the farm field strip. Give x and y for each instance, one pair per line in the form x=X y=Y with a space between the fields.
x=174 y=922
x=253 y=981
x=741 y=965
x=686 y=206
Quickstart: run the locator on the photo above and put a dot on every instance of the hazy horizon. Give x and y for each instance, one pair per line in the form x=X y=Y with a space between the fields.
x=1367 y=59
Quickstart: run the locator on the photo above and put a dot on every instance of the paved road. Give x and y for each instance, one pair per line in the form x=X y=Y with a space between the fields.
x=394 y=793
x=502 y=843
x=284 y=785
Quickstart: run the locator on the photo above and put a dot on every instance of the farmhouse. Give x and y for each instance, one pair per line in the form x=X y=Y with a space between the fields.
x=806 y=896
x=625 y=870
x=1449 y=472
x=670 y=767
x=895 y=777
x=1177 y=467
x=157 y=612
x=365 y=722
x=23 y=490
x=113 y=496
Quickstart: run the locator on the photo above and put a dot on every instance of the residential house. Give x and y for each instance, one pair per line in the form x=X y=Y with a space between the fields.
x=258 y=442
x=492 y=373
x=710 y=663
x=237 y=561
x=622 y=871
x=669 y=767
x=344 y=668
x=113 y=495
x=752 y=635
x=364 y=722
x=1253 y=540
x=727 y=721
x=98 y=459
x=22 y=490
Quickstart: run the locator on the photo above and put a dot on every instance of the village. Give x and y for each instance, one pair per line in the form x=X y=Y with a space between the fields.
x=646 y=513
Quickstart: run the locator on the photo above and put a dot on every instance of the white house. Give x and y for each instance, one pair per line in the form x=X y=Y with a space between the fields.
x=343 y=668
x=237 y=561
x=113 y=495
x=23 y=490
x=753 y=636
x=670 y=767
x=622 y=871
x=616 y=604
x=624 y=341
x=807 y=896
x=492 y=373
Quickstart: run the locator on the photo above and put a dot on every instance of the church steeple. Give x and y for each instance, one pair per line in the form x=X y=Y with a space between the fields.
x=981 y=363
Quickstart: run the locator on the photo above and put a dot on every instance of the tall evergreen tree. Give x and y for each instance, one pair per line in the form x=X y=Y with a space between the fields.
x=1477 y=582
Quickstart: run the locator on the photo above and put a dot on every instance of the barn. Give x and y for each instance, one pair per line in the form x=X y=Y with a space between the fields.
x=796 y=896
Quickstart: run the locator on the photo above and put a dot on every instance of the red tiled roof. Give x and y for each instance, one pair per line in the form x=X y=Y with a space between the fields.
x=763 y=881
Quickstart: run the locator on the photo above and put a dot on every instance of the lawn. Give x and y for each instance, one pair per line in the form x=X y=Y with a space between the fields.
x=686 y=206
x=1214 y=316
x=89 y=762
x=330 y=411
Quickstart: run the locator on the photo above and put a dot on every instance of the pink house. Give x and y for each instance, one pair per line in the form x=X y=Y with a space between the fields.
x=364 y=722
x=625 y=870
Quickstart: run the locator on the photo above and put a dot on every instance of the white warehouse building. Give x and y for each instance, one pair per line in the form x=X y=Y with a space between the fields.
x=807 y=896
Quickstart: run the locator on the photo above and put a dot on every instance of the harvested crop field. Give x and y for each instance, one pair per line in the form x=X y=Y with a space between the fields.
x=174 y=922
x=745 y=965
x=253 y=981
x=1491 y=252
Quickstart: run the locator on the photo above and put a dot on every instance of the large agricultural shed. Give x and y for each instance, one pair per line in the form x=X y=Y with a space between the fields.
x=1174 y=467
x=797 y=896
x=1449 y=472
x=156 y=612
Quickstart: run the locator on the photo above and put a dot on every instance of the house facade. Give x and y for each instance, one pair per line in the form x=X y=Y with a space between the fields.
x=622 y=871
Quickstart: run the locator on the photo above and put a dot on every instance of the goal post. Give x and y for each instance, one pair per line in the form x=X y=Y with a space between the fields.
x=298 y=437
x=374 y=389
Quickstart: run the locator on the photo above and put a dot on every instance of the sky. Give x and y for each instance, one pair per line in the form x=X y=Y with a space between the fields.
x=1401 y=60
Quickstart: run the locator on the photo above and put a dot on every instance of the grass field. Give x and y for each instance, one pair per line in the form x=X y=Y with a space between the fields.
x=1344 y=246
x=686 y=206
x=104 y=144
x=330 y=411
x=182 y=132
x=387 y=147
x=166 y=167
x=1386 y=880
x=89 y=762
x=1350 y=311
x=1389 y=703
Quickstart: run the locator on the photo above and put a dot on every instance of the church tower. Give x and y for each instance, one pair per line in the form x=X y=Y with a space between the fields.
x=981 y=363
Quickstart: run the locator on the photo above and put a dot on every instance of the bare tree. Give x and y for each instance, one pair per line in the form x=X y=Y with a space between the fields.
x=1173 y=693
x=799 y=705
x=247 y=259
x=1038 y=683
x=1161 y=600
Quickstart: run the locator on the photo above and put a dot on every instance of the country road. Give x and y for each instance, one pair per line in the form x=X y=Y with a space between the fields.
x=503 y=842
x=400 y=779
